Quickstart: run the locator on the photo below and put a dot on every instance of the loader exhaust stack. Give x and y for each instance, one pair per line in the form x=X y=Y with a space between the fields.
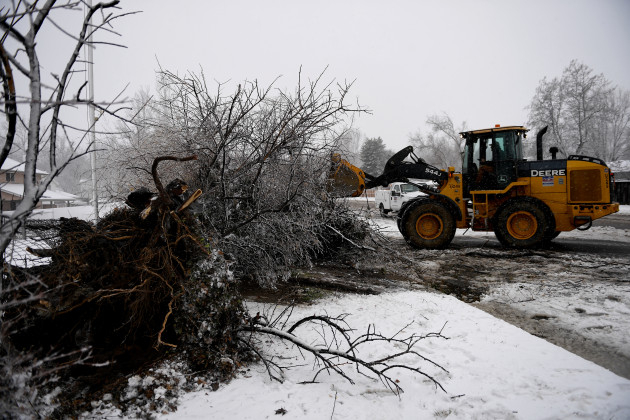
x=539 y=149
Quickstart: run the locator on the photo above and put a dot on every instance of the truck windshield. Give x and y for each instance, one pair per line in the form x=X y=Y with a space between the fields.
x=407 y=188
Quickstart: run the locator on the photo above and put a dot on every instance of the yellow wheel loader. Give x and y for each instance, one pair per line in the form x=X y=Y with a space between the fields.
x=525 y=203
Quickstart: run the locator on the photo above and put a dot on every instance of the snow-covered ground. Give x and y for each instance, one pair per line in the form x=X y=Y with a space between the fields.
x=18 y=255
x=579 y=300
x=495 y=371
x=624 y=209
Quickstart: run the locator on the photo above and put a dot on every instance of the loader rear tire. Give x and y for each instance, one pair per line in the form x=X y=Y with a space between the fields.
x=521 y=223
x=428 y=225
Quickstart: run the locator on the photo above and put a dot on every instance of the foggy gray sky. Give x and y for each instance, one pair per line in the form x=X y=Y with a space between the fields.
x=478 y=61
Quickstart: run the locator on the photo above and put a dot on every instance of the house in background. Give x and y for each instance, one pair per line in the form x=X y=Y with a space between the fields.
x=621 y=186
x=12 y=188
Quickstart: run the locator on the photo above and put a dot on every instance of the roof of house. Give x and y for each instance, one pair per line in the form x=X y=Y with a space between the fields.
x=49 y=195
x=622 y=176
x=15 y=166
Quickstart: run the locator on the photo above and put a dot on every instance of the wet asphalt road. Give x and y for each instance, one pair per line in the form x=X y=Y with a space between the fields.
x=573 y=245
x=616 y=220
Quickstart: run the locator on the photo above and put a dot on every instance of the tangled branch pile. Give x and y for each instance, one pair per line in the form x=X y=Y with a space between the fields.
x=263 y=160
x=126 y=291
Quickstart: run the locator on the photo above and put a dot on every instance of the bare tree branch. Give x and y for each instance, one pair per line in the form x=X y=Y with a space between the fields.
x=333 y=355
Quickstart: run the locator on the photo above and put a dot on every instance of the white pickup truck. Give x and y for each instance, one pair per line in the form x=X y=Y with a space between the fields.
x=394 y=196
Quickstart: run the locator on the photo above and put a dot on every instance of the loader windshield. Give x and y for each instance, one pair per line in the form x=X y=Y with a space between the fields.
x=490 y=156
x=494 y=146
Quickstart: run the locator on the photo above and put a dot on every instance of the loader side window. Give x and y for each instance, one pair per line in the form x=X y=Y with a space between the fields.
x=487 y=153
x=502 y=152
x=483 y=154
x=508 y=150
x=465 y=164
x=473 y=152
x=508 y=146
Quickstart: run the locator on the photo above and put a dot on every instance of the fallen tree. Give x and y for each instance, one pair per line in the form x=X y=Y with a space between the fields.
x=144 y=284
x=263 y=160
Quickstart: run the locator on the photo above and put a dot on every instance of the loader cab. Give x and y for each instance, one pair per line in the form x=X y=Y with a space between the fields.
x=490 y=157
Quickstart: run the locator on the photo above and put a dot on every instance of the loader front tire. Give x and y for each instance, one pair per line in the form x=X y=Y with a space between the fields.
x=428 y=225
x=521 y=223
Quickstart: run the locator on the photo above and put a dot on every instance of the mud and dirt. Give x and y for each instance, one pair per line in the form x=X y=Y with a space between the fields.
x=577 y=301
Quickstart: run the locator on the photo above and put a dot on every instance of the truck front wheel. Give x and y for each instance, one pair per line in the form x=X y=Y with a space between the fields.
x=381 y=209
x=428 y=225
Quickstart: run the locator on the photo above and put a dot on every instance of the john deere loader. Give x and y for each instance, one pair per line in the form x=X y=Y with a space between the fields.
x=525 y=203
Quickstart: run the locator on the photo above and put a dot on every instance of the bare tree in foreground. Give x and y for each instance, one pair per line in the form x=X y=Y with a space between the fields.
x=41 y=105
x=40 y=110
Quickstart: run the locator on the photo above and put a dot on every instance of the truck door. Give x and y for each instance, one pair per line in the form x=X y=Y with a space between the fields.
x=396 y=198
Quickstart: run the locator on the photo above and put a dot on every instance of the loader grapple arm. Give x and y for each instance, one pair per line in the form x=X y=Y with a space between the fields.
x=397 y=170
x=347 y=180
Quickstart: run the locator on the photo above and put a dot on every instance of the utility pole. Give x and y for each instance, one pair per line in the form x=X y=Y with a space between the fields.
x=92 y=113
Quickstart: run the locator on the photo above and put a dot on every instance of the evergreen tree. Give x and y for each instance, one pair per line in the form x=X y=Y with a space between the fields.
x=374 y=155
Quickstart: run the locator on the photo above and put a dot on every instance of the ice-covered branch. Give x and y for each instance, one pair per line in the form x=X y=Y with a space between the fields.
x=335 y=356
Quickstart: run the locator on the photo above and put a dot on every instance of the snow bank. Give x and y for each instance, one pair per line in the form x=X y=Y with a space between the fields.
x=624 y=209
x=495 y=370
x=80 y=212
